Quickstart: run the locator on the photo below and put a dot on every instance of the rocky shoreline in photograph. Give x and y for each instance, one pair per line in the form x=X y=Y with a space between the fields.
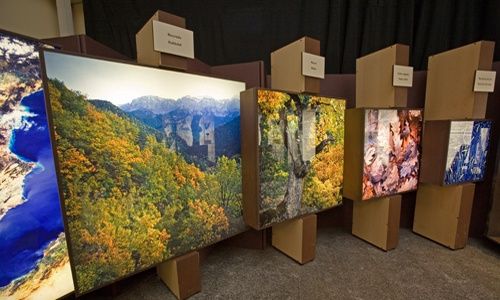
x=19 y=77
x=41 y=281
x=12 y=177
x=49 y=274
x=12 y=169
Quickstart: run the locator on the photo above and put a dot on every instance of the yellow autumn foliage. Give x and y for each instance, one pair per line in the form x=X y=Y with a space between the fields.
x=128 y=197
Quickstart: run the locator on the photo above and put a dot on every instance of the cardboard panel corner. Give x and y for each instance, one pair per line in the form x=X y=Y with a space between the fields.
x=146 y=54
x=252 y=73
x=182 y=275
x=442 y=214
x=286 y=67
x=374 y=78
x=84 y=44
x=353 y=153
x=450 y=82
x=434 y=148
x=250 y=157
x=377 y=221
x=297 y=238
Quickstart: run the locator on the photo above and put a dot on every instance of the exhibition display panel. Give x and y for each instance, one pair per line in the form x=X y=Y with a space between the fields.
x=292 y=151
x=111 y=167
x=34 y=257
x=147 y=160
x=456 y=142
x=467 y=150
x=459 y=151
x=382 y=152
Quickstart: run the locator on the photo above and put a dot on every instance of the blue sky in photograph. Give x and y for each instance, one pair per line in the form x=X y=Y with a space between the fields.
x=120 y=83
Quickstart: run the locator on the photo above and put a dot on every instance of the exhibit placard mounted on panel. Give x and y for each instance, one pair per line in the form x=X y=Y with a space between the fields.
x=313 y=65
x=174 y=40
x=484 y=81
x=34 y=257
x=148 y=163
x=292 y=149
x=402 y=76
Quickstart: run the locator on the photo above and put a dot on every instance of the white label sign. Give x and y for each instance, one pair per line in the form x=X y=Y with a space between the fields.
x=313 y=65
x=172 y=39
x=402 y=76
x=485 y=81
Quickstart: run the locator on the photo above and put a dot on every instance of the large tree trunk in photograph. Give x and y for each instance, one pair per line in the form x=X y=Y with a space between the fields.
x=293 y=194
x=298 y=168
x=300 y=144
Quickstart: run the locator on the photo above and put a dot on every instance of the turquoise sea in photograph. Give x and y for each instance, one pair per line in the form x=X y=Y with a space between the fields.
x=35 y=263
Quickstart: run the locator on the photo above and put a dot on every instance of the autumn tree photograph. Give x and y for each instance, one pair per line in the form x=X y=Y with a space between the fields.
x=301 y=147
x=148 y=163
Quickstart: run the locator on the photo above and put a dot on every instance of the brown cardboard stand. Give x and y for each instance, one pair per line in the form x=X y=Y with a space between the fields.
x=450 y=83
x=182 y=275
x=353 y=153
x=296 y=238
x=86 y=45
x=250 y=158
x=442 y=213
x=286 y=67
x=377 y=220
x=146 y=54
x=374 y=72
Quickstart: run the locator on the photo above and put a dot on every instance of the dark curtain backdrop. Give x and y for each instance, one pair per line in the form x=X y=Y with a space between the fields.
x=240 y=31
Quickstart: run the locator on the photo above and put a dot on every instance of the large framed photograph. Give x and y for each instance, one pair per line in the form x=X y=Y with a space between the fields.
x=148 y=163
x=292 y=148
x=34 y=257
x=382 y=152
x=455 y=152
x=467 y=150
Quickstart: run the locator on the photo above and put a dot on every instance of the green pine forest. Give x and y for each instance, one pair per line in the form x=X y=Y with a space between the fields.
x=131 y=202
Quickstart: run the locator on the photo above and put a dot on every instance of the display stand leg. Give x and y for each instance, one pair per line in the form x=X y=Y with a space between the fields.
x=442 y=213
x=251 y=239
x=182 y=275
x=377 y=221
x=296 y=238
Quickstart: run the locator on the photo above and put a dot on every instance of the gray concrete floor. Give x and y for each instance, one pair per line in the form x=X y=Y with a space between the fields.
x=345 y=268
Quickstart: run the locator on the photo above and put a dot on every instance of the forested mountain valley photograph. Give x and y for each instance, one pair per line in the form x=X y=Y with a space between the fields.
x=148 y=161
